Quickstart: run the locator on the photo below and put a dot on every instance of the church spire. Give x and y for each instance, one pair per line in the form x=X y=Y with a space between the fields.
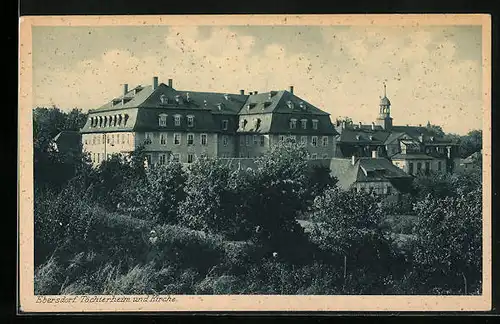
x=385 y=90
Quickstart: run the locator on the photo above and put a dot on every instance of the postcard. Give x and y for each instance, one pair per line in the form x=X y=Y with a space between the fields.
x=254 y=163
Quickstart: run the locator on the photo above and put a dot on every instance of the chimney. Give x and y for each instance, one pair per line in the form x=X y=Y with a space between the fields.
x=155 y=82
x=125 y=88
x=255 y=92
x=360 y=125
x=373 y=126
x=353 y=160
x=291 y=89
x=250 y=93
x=374 y=154
x=242 y=92
x=170 y=83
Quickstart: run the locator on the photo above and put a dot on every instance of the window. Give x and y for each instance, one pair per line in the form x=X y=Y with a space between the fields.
x=314 y=141
x=247 y=140
x=293 y=123
x=190 y=139
x=203 y=139
x=224 y=140
x=303 y=123
x=149 y=138
x=325 y=140
x=162 y=159
x=388 y=190
x=93 y=157
x=314 y=156
x=113 y=139
x=419 y=167
x=303 y=140
x=293 y=138
x=255 y=140
x=93 y=140
x=190 y=121
x=176 y=157
x=315 y=124
x=98 y=140
x=242 y=140
x=427 y=166
x=162 y=120
x=224 y=124
x=177 y=120
x=123 y=138
x=163 y=138
x=177 y=139
x=439 y=165
x=128 y=138
x=410 y=168
x=190 y=158
x=282 y=138
x=108 y=140
x=262 y=139
x=98 y=157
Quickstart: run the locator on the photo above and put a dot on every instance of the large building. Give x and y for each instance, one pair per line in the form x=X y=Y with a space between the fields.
x=183 y=125
x=414 y=149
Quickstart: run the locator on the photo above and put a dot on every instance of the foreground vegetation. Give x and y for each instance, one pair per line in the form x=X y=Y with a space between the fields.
x=211 y=229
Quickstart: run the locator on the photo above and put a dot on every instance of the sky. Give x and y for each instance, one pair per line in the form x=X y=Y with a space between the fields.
x=432 y=73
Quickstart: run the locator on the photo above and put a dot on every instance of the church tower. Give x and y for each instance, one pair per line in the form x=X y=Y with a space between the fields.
x=384 y=118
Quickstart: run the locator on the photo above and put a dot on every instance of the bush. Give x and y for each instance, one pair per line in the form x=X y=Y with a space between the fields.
x=49 y=278
x=186 y=248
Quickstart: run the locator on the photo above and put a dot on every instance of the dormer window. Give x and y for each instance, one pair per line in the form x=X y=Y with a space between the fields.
x=162 y=120
x=227 y=97
x=125 y=119
x=358 y=137
x=177 y=120
x=190 y=121
x=302 y=105
x=116 y=101
x=125 y=100
x=205 y=103
x=120 y=120
x=290 y=104
x=187 y=97
x=293 y=123
x=303 y=123
x=163 y=99
x=137 y=90
x=315 y=123
x=243 y=123
x=371 y=138
x=178 y=99
x=220 y=106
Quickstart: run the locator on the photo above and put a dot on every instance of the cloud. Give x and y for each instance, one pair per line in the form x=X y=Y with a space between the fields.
x=426 y=78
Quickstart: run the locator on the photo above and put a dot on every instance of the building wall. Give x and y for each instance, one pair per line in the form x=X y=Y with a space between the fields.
x=155 y=148
x=100 y=145
x=319 y=151
x=433 y=164
x=228 y=150
x=378 y=187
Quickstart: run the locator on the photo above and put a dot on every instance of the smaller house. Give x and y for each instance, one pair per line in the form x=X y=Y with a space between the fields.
x=472 y=160
x=370 y=174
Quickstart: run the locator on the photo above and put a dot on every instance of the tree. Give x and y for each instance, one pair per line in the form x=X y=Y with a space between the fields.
x=157 y=196
x=210 y=201
x=436 y=130
x=448 y=245
x=471 y=143
x=346 y=223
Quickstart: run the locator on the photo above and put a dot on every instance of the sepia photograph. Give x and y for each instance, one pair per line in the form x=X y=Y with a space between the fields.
x=255 y=163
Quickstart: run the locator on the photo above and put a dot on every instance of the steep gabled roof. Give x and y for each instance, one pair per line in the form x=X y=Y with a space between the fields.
x=365 y=170
x=277 y=102
x=349 y=135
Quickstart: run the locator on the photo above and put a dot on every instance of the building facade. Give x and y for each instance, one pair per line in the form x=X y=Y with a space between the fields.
x=184 y=125
x=414 y=149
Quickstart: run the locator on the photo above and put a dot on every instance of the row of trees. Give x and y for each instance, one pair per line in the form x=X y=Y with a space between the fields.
x=212 y=228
